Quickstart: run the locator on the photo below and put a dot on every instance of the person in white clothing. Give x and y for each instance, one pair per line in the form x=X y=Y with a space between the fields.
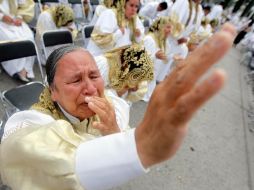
x=116 y=28
x=167 y=12
x=13 y=17
x=107 y=4
x=49 y=148
x=155 y=44
x=216 y=12
x=189 y=13
x=60 y=17
x=151 y=10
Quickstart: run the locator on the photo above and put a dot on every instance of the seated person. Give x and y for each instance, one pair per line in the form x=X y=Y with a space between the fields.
x=59 y=17
x=13 y=17
x=43 y=150
x=150 y=10
x=155 y=44
x=87 y=10
x=116 y=27
x=107 y=4
x=126 y=71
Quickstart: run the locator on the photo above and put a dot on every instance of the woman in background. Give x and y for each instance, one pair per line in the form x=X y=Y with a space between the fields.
x=117 y=27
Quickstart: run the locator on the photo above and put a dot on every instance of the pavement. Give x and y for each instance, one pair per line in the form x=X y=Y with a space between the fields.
x=218 y=152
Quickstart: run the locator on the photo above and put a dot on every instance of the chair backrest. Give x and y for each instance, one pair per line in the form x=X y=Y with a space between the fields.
x=94 y=2
x=86 y=33
x=18 y=49
x=23 y=96
x=74 y=1
x=55 y=38
x=49 y=1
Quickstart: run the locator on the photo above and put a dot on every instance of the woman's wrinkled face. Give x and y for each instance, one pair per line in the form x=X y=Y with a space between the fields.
x=131 y=8
x=167 y=29
x=76 y=77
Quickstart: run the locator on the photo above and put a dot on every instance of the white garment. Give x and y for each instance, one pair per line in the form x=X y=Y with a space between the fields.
x=149 y=11
x=12 y=32
x=181 y=9
x=152 y=48
x=107 y=24
x=166 y=12
x=99 y=163
x=79 y=11
x=46 y=23
x=216 y=13
x=99 y=9
x=175 y=49
x=248 y=41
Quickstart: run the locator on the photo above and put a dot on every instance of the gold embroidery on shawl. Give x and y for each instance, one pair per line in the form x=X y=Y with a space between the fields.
x=62 y=15
x=128 y=66
x=102 y=40
x=47 y=106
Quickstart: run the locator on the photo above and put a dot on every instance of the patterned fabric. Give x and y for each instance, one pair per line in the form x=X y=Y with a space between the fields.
x=129 y=66
x=62 y=15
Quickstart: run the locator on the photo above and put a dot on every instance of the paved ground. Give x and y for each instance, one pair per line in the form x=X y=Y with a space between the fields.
x=218 y=153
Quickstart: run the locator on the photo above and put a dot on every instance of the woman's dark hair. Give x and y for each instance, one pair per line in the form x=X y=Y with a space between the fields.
x=53 y=59
x=163 y=5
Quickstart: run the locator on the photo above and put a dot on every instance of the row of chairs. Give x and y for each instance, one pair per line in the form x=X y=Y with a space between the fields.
x=72 y=2
x=21 y=97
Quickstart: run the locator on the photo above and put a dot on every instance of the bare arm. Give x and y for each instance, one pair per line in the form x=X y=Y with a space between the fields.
x=178 y=97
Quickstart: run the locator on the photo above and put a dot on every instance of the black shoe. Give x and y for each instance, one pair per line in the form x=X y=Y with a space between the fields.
x=30 y=79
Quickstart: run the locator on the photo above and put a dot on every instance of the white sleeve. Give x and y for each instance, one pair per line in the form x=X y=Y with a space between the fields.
x=108 y=161
x=107 y=24
x=44 y=23
x=141 y=27
x=144 y=11
x=150 y=46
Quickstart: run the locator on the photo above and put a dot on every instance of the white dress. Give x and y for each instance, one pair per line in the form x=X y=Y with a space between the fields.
x=79 y=12
x=11 y=32
x=181 y=9
x=160 y=67
x=99 y=9
x=149 y=11
x=107 y=24
x=40 y=152
x=166 y=12
x=216 y=13
x=45 y=23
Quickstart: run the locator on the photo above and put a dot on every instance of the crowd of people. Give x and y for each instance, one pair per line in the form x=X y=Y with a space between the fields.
x=78 y=135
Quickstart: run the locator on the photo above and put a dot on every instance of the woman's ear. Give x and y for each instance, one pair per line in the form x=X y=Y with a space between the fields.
x=52 y=92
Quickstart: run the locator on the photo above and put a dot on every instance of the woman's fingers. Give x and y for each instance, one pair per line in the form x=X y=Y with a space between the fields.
x=188 y=104
x=100 y=107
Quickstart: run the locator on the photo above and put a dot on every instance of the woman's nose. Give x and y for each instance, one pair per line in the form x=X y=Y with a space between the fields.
x=89 y=88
